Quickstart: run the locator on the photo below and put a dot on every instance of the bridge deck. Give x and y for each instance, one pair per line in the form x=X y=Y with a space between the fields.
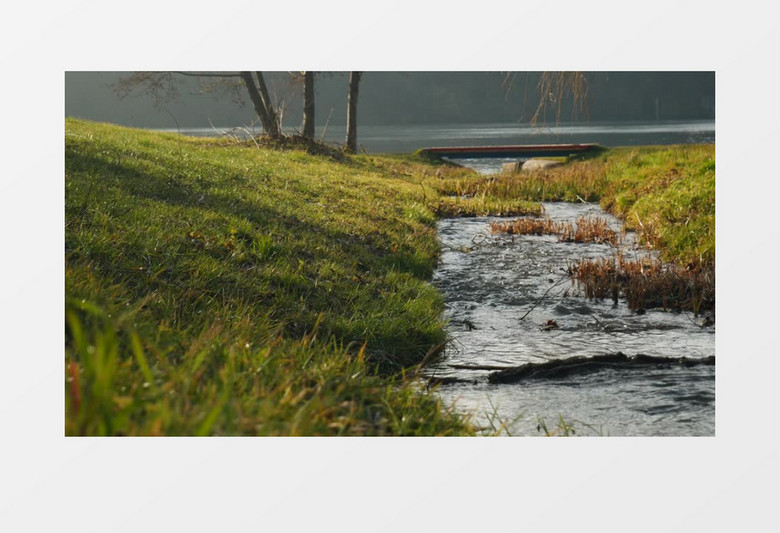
x=519 y=151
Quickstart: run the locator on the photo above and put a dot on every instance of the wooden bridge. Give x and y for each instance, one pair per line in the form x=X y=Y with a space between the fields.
x=517 y=152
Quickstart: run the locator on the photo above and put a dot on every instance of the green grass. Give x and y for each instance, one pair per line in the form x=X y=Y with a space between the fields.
x=218 y=288
x=215 y=288
x=479 y=206
x=667 y=194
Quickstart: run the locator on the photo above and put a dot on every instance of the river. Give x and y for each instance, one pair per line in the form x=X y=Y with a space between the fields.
x=502 y=291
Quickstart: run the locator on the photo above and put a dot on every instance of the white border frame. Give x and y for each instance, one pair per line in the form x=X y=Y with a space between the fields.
x=724 y=483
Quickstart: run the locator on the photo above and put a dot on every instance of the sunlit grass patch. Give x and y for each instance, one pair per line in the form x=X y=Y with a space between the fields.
x=463 y=206
x=225 y=385
x=666 y=194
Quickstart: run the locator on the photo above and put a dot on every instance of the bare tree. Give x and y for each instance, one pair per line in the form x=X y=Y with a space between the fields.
x=258 y=93
x=352 y=100
x=163 y=87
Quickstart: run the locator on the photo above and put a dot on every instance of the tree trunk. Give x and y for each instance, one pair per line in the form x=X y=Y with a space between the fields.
x=352 y=99
x=276 y=128
x=308 y=104
x=261 y=104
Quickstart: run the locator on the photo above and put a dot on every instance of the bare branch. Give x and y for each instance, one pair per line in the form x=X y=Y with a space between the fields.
x=554 y=87
x=161 y=86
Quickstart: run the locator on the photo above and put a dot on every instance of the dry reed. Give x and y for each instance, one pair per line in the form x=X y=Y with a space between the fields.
x=593 y=229
x=587 y=229
x=647 y=283
x=530 y=226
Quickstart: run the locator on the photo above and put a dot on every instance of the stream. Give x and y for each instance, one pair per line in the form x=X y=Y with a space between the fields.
x=501 y=290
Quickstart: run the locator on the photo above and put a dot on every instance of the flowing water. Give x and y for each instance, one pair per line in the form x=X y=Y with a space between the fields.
x=491 y=284
x=490 y=290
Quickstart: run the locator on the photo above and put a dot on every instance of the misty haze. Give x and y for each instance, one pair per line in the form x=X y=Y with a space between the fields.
x=404 y=111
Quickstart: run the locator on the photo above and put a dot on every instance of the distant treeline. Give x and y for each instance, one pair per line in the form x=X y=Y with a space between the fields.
x=401 y=98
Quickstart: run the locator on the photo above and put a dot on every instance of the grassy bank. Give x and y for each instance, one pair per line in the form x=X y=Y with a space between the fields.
x=665 y=193
x=215 y=287
x=219 y=288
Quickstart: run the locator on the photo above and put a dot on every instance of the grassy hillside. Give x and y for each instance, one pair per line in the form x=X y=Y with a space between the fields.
x=214 y=288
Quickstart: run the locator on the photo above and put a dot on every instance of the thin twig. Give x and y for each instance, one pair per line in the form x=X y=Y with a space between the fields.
x=563 y=278
x=250 y=136
x=324 y=129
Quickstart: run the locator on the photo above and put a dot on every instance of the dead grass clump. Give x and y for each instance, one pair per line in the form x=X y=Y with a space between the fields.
x=297 y=142
x=531 y=226
x=593 y=229
x=647 y=283
x=587 y=229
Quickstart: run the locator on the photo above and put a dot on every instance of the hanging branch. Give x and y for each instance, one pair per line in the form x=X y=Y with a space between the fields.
x=554 y=87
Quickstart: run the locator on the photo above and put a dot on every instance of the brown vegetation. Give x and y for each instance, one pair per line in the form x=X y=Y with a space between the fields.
x=647 y=283
x=593 y=229
x=587 y=229
x=297 y=142
x=530 y=226
x=584 y=181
